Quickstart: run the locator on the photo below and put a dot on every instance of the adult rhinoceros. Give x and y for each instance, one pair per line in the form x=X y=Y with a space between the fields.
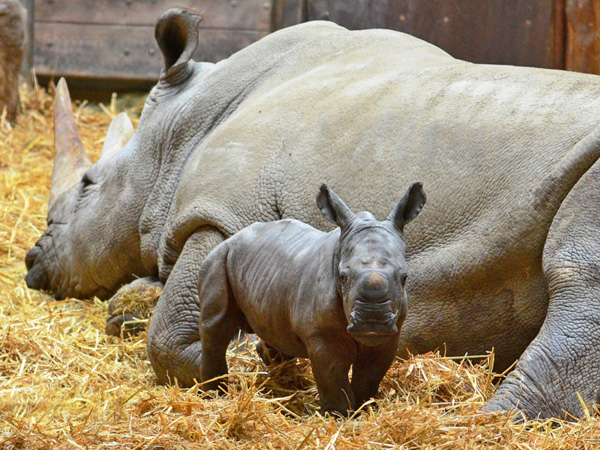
x=505 y=256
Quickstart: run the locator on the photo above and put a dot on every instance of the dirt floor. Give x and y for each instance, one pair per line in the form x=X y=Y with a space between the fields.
x=64 y=384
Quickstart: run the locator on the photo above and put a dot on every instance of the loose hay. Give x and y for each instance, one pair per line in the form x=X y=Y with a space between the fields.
x=65 y=384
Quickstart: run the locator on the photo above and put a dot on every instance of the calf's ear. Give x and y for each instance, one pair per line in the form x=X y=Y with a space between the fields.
x=333 y=207
x=176 y=34
x=409 y=206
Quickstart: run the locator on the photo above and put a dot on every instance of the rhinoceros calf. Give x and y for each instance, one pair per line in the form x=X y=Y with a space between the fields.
x=12 y=37
x=505 y=256
x=337 y=298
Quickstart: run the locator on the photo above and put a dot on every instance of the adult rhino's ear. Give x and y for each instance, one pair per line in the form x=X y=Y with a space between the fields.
x=409 y=206
x=176 y=33
x=333 y=207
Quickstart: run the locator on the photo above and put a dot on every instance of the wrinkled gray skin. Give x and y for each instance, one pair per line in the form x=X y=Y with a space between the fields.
x=337 y=298
x=12 y=39
x=506 y=255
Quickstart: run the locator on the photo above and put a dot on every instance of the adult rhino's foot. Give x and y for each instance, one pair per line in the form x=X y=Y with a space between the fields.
x=132 y=305
x=506 y=404
x=546 y=383
x=174 y=346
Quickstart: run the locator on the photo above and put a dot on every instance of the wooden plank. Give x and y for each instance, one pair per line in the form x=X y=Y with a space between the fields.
x=228 y=14
x=121 y=52
x=287 y=13
x=27 y=66
x=352 y=14
x=583 y=36
x=519 y=32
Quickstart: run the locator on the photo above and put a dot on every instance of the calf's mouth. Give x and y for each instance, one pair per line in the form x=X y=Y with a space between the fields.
x=373 y=323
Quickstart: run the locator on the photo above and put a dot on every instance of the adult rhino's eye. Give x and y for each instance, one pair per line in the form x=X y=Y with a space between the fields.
x=343 y=277
x=86 y=185
x=86 y=181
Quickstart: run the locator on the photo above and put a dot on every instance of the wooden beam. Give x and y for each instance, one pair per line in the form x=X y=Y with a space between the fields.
x=518 y=32
x=120 y=52
x=583 y=36
x=229 y=14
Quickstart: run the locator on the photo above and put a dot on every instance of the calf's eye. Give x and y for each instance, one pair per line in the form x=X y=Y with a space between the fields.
x=343 y=277
x=403 y=278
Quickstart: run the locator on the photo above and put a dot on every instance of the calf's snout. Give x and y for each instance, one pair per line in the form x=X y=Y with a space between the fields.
x=373 y=287
x=373 y=323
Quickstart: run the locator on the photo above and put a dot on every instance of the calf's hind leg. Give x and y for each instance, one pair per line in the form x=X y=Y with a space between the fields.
x=220 y=318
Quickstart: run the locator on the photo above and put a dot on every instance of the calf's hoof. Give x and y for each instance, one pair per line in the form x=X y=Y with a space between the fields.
x=269 y=355
x=337 y=413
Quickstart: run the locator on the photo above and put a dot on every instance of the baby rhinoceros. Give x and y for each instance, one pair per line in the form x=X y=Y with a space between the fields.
x=337 y=298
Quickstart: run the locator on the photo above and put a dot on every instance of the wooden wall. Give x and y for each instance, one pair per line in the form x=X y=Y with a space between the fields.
x=109 y=39
x=559 y=34
x=582 y=53
x=114 y=39
x=519 y=32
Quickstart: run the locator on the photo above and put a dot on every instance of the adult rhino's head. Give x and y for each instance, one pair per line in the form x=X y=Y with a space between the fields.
x=92 y=244
x=371 y=265
x=87 y=244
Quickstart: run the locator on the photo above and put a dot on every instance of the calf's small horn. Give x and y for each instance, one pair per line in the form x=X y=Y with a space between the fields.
x=71 y=161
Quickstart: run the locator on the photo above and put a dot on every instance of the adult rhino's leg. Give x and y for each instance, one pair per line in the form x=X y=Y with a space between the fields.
x=564 y=359
x=132 y=304
x=174 y=346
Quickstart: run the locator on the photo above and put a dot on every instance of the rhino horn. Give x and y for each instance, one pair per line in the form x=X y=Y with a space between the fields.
x=119 y=133
x=71 y=161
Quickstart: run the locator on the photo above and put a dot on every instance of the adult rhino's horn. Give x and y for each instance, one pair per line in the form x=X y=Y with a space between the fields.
x=71 y=161
x=119 y=133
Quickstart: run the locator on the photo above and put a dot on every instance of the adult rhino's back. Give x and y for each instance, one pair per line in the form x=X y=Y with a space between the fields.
x=385 y=106
x=367 y=111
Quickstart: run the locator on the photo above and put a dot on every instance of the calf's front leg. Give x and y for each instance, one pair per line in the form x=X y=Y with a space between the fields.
x=331 y=360
x=370 y=367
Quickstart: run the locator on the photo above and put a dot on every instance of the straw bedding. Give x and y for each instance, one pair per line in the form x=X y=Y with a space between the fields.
x=64 y=384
